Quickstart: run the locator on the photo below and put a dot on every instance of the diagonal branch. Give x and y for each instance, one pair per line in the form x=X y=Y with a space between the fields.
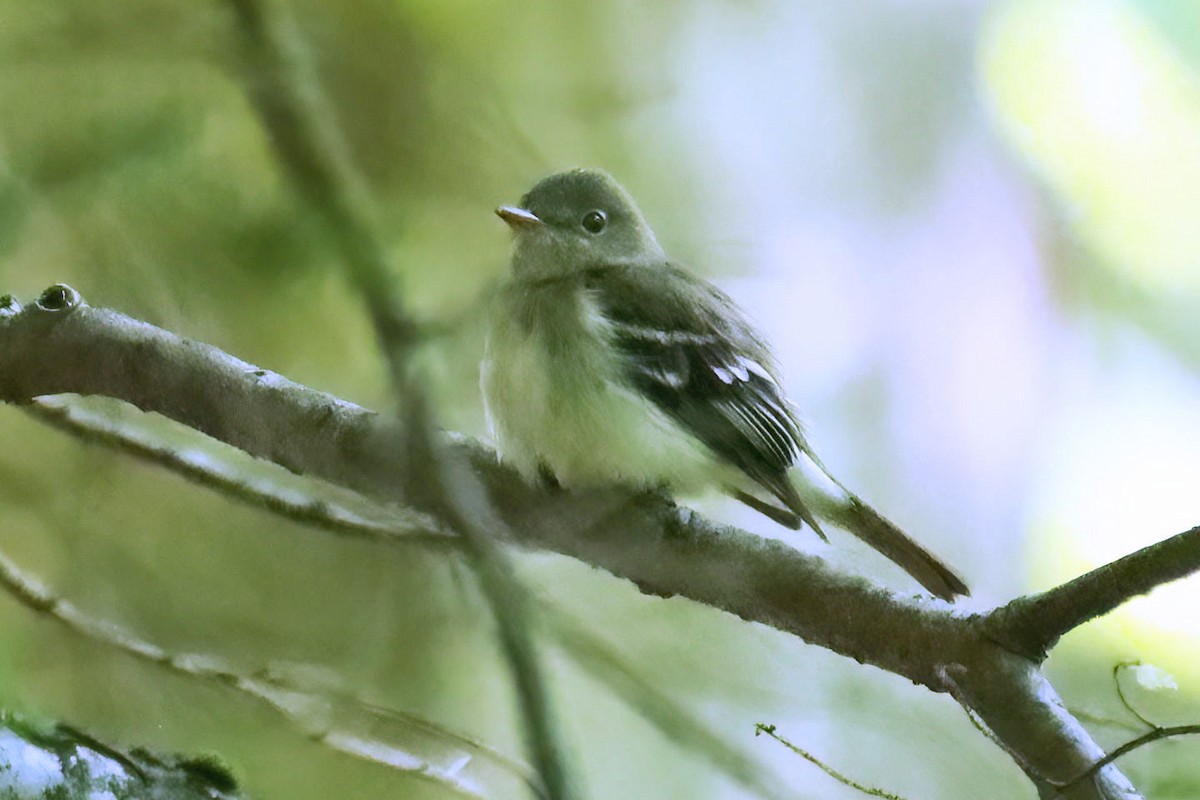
x=62 y=345
x=208 y=463
x=447 y=484
x=1153 y=735
x=59 y=344
x=1031 y=625
x=215 y=466
x=280 y=83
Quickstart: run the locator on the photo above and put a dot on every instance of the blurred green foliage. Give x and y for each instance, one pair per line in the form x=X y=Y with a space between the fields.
x=870 y=163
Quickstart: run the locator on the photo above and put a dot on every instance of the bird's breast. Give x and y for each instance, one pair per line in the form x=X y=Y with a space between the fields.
x=556 y=395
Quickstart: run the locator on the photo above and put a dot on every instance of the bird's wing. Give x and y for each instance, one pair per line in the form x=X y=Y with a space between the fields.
x=688 y=348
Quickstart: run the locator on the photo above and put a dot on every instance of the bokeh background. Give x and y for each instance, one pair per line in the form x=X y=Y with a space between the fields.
x=972 y=231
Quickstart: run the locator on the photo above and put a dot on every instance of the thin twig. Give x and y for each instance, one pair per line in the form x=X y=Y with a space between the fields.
x=1083 y=715
x=1116 y=678
x=871 y=791
x=1151 y=736
x=599 y=659
x=449 y=485
x=338 y=510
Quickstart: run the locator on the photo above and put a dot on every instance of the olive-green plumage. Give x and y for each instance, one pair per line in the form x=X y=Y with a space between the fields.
x=606 y=363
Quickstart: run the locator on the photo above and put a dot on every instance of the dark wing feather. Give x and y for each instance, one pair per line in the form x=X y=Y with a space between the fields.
x=688 y=348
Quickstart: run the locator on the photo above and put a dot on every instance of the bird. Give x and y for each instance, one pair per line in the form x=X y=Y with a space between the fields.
x=606 y=363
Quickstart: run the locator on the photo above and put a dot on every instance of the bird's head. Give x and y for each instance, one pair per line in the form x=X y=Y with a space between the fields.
x=574 y=220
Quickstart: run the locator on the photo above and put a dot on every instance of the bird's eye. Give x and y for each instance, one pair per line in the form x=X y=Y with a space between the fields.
x=594 y=221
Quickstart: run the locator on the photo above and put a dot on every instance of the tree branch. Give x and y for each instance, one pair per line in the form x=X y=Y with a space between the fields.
x=308 y=501
x=62 y=345
x=200 y=386
x=279 y=81
x=1031 y=625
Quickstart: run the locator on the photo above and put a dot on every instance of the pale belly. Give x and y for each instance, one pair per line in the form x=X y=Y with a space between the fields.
x=557 y=402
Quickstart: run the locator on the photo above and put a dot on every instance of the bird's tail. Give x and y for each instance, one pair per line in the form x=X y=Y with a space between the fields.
x=881 y=534
x=844 y=509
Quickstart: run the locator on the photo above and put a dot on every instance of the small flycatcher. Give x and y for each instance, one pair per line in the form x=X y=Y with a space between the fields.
x=607 y=363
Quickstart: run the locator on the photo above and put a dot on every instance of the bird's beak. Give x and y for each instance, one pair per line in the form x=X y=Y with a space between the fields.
x=519 y=219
